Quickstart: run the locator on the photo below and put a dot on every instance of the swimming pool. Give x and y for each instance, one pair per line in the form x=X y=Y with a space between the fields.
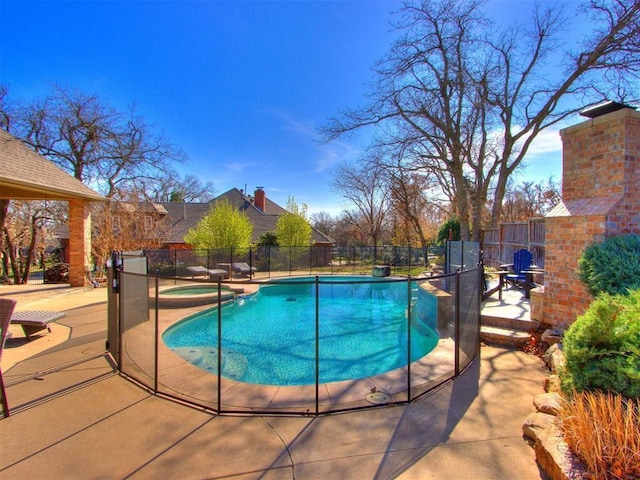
x=269 y=337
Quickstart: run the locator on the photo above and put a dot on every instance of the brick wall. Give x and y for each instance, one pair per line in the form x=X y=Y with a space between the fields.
x=600 y=197
x=79 y=242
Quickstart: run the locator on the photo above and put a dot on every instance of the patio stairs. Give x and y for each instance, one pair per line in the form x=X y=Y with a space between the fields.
x=506 y=332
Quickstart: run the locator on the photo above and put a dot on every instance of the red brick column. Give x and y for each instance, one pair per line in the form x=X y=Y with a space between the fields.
x=600 y=198
x=565 y=296
x=79 y=242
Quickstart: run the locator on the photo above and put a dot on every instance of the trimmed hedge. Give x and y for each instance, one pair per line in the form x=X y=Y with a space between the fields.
x=612 y=266
x=602 y=347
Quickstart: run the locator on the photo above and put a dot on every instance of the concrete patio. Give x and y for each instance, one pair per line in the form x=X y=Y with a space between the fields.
x=73 y=416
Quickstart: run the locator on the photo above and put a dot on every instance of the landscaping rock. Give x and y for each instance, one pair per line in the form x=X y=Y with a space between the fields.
x=547 y=403
x=554 y=358
x=551 y=336
x=553 y=384
x=555 y=458
x=537 y=424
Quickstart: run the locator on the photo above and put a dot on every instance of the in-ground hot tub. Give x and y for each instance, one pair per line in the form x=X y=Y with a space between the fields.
x=193 y=295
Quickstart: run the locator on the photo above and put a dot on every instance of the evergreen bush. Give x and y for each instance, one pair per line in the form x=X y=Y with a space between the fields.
x=602 y=347
x=450 y=230
x=612 y=266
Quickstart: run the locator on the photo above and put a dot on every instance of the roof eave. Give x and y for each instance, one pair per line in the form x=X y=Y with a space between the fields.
x=16 y=190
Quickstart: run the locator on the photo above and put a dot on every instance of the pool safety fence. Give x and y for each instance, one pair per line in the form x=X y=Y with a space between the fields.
x=210 y=375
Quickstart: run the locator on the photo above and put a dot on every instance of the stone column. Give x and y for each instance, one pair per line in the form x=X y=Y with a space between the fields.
x=79 y=242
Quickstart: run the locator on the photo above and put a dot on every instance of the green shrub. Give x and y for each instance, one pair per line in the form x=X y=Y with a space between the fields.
x=602 y=347
x=450 y=230
x=612 y=266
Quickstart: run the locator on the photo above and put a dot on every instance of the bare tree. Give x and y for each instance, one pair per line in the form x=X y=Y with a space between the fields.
x=347 y=232
x=115 y=153
x=415 y=206
x=366 y=188
x=25 y=230
x=122 y=226
x=104 y=148
x=324 y=222
x=463 y=99
x=175 y=188
x=529 y=199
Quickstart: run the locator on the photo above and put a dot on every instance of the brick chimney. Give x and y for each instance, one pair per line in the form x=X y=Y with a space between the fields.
x=600 y=198
x=260 y=199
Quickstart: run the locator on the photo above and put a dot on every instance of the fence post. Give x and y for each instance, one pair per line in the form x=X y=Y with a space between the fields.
x=220 y=342
x=157 y=322
x=317 y=345
x=409 y=337
x=457 y=324
x=113 y=310
x=175 y=263
x=353 y=258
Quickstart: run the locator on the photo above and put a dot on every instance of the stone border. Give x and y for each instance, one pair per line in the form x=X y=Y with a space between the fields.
x=542 y=427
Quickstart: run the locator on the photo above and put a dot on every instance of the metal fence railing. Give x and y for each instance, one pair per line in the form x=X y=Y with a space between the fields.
x=209 y=372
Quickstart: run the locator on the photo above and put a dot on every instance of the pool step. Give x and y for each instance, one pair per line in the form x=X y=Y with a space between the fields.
x=504 y=337
x=506 y=332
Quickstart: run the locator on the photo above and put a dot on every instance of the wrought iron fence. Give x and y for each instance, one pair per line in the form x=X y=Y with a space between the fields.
x=277 y=261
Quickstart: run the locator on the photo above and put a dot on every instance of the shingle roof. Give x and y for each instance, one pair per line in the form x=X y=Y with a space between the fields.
x=184 y=216
x=584 y=206
x=187 y=215
x=26 y=175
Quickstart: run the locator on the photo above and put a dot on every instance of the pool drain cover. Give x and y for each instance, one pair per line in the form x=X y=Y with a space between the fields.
x=378 y=398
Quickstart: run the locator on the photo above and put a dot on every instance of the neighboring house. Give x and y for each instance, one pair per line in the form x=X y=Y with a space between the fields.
x=174 y=219
x=262 y=212
x=125 y=224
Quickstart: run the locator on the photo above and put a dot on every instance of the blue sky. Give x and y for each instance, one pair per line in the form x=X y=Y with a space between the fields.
x=241 y=87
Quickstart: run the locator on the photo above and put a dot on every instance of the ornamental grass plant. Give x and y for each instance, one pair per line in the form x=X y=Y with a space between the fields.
x=603 y=429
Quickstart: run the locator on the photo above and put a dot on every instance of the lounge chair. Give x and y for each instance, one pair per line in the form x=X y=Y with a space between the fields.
x=212 y=273
x=32 y=321
x=6 y=310
x=243 y=268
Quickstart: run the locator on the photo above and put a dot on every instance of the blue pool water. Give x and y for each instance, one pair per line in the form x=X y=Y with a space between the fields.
x=269 y=338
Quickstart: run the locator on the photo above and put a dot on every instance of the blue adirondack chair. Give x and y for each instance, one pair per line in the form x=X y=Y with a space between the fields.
x=522 y=260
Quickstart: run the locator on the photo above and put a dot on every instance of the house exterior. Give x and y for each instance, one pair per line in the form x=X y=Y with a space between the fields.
x=262 y=212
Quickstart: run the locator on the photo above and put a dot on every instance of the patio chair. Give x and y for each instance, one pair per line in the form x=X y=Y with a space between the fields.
x=212 y=273
x=6 y=310
x=243 y=268
x=32 y=321
x=522 y=260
